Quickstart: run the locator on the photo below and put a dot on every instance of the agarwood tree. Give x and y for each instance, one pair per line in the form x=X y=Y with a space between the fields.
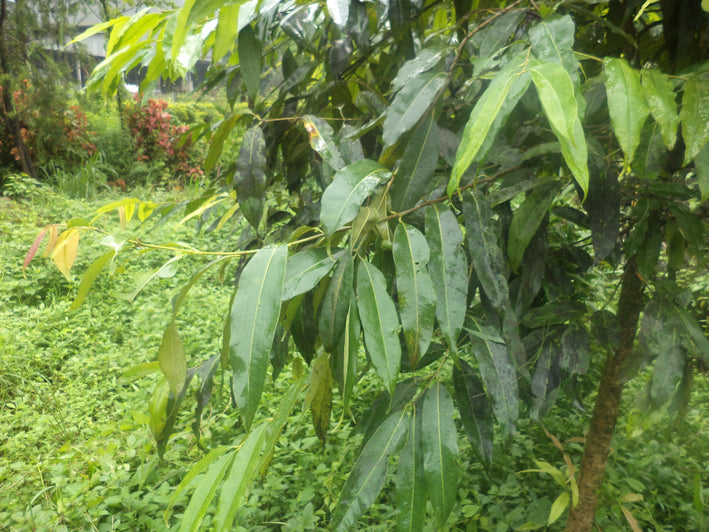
x=435 y=181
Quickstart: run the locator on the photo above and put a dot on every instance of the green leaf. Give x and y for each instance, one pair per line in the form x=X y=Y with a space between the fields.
x=626 y=104
x=553 y=41
x=439 y=441
x=660 y=97
x=369 y=472
x=215 y=147
x=449 y=267
x=171 y=357
x=414 y=177
x=90 y=276
x=556 y=94
x=250 y=60
x=411 y=481
x=204 y=492
x=701 y=166
x=339 y=11
x=424 y=61
x=347 y=355
x=349 y=188
x=694 y=116
x=498 y=373
x=475 y=410
x=335 y=304
x=558 y=506
x=254 y=315
x=526 y=220
x=545 y=381
x=241 y=474
x=575 y=350
x=305 y=270
x=321 y=141
x=250 y=176
x=693 y=332
x=482 y=244
x=226 y=32
x=417 y=298
x=319 y=396
x=180 y=32
x=484 y=120
x=410 y=104
x=379 y=322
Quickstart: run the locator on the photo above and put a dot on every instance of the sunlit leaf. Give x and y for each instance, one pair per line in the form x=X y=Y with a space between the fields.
x=64 y=253
x=694 y=116
x=660 y=98
x=171 y=357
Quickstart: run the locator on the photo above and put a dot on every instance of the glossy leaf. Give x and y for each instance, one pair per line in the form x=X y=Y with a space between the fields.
x=379 y=322
x=411 y=491
x=475 y=409
x=250 y=176
x=526 y=220
x=694 y=116
x=482 y=244
x=439 y=441
x=416 y=296
x=241 y=473
x=254 y=315
x=448 y=266
x=335 y=304
x=660 y=98
x=319 y=396
x=483 y=121
x=347 y=354
x=171 y=357
x=410 y=104
x=556 y=94
x=339 y=11
x=553 y=40
x=90 y=276
x=250 y=60
x=414 y=176
x=497 y=372
x=626 y=104
x=350 y=187
x=321 y=141
x=369 y=472
x=305 y=269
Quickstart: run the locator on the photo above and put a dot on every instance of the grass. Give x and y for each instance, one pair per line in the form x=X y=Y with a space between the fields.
x=76 y=452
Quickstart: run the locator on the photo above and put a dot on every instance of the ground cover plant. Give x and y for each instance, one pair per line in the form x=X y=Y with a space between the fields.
x=473 y=220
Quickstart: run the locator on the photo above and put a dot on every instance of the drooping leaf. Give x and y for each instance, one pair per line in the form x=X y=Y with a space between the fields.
x=660 y=98
x=226 y=32
x=605 y=328
x=484 y=120
x=626 y=104
x=254 y=315
x=339 y=11
x=424 y=61
x=497 y=372
x=482 y=243
x=90 y=276
x=250 y=60
x=305 y=269
x=475 y=409
x=603 y=206
x=243 y=469
x=349 y=188
x=346 y=355
x=552 y=40
x=335 y=304
x=171 y=357
x=694 y=116
x=33 y=248
x=545 y=381
x=321 y=141
x=417 y=298
x=65 y=250
x=204 y=492
x=558 y=506
x=556 y=93
x=220 y=135
x=526 y=220
x=303 y=328
x=448 y=266
x=250 y=176
x=439 y=441
x=701 y=165
x=410 y=104
x=410 y=480
x=575 y=350
x=206 y=372
x=414 y=176
x=369 y=472
x=319 y=396
x=380 y=322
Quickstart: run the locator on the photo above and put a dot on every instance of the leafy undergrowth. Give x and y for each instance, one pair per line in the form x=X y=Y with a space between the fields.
x=76 y=452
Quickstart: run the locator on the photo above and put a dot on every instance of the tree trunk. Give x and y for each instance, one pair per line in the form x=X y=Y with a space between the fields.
x=8 y=113
x=605 y=412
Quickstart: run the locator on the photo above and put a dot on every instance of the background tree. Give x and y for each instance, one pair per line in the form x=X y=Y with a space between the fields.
x=440 y=180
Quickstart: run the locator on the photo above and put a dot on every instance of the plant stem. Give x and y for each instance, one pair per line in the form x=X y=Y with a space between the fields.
x=605 y=412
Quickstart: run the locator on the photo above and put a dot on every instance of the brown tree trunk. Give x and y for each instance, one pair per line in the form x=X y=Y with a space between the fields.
x=8 y=113
x=605 y=412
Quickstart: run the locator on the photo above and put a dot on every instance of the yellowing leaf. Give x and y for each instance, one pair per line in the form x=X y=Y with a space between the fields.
x=171 y=357
x=64 y=253
x=319 y=395
x=560 y=504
